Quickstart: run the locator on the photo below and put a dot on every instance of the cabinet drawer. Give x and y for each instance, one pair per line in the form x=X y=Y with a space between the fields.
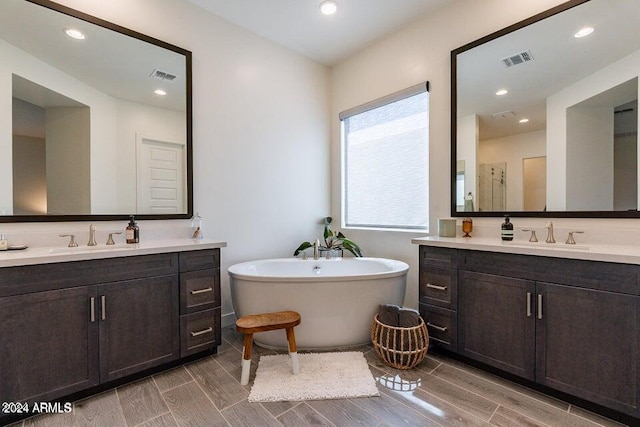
x=199 y=260
x=439 y=286
x=199 y=331
x=442 y=325
x=199 y=290
x=44 y=277
x=438 y=257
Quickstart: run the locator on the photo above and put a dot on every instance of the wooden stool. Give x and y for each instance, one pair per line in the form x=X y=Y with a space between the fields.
x=249 y=325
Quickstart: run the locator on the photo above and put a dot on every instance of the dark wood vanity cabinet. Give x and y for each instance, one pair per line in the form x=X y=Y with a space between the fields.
x=200 y=302
x=570 y=325
x=48 y=344
x=68 y=327
x=494 y=324
x=438 y=289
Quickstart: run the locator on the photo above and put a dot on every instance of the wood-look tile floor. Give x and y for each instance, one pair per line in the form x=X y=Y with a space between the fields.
x=439 y=392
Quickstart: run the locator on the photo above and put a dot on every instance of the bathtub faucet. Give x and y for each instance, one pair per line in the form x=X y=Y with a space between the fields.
x=316 y=249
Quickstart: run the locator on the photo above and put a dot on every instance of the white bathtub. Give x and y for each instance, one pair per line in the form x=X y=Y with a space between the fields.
x=336 y=298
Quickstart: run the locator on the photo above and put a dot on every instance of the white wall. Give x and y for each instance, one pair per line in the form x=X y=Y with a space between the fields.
x=513 y=150
x=467 y=146
x=135 y=119
x=102 y=127
x=416 y=53
x=589 y=139
x=261 y=142
x=557 y=104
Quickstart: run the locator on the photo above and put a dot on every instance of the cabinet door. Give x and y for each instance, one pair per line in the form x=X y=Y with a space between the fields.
x=496 y=323
x=48 y=344
x=588 y=345
x=139 y=325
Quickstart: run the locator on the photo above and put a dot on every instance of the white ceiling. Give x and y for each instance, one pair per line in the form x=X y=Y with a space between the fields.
x=299 y=25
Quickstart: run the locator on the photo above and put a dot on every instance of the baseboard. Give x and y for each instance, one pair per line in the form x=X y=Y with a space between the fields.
x=228 y=319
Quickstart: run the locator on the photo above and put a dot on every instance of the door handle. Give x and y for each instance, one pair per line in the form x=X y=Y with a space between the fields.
x=539 y=306
x=103 y=307
x=529 y=311
x=92 y=303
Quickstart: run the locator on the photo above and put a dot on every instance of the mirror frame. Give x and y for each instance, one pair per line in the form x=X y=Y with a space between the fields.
x=189 y=125
x=547 y=214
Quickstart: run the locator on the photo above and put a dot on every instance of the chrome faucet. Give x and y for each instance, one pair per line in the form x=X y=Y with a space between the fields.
x=549 y=227
x=92 y=236
x=316 y=249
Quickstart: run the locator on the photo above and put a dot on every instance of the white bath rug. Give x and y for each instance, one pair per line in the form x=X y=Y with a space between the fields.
x=322 y=376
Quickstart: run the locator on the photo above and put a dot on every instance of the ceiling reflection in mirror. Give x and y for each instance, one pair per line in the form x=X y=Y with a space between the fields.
x=544 y=122
x=97 y=126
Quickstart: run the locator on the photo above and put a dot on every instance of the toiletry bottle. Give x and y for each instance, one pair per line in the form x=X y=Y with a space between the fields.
x=196 y=227
x=507 y=229
x=133 y=231
x=3 y=243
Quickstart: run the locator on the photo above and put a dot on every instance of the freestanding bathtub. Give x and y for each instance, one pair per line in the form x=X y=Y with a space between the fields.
x=336 y=298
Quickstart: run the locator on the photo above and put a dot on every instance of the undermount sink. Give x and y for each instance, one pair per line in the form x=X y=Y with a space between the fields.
x=543 y=245
x=81 y=249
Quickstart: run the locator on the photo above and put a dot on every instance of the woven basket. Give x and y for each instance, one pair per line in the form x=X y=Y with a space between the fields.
x=400 y=348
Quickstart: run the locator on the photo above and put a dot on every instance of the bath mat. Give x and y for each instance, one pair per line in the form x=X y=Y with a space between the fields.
x=322 y=376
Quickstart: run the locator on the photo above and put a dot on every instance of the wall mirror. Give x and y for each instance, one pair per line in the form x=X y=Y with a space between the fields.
x=544 y=115
x=95 y=119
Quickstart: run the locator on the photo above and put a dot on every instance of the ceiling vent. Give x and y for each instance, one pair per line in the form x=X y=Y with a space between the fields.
x=503 y=115
x=518 y=58
x=162 y=75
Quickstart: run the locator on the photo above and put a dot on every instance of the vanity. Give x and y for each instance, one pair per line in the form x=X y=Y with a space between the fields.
x=75 y=322
x=567 y=320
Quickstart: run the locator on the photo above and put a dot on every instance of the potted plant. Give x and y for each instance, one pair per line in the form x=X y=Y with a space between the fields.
x=333 y=241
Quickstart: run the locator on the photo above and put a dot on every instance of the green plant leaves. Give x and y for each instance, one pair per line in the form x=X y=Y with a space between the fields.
x=332 y=240
x=302 y=247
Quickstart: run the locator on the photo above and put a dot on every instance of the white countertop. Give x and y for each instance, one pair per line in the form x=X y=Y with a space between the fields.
x=625 y=254
x=47 y=255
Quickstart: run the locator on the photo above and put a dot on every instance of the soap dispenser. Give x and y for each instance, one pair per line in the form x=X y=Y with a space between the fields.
x=196 y=227
x=507 y=229
x=133 y=231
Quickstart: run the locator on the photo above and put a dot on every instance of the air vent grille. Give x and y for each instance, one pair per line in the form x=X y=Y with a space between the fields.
x=163 y=75
x=518 y=58
x=503 y=115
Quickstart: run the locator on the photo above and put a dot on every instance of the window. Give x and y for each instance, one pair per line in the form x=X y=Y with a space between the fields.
x=385 y=161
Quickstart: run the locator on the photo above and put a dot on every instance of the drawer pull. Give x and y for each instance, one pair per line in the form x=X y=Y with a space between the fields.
x=438 y=287
x=529 y=311
x=103 y=307
x=202 y=332
x=201 y=291
x=439 y=328
x=93 y=309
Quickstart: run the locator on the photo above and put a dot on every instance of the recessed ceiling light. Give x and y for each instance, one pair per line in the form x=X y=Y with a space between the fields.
x=160 y=92
x=502 y=92
x=75 y=34
x=328 y=7
x=525 y=120
x=583 y=32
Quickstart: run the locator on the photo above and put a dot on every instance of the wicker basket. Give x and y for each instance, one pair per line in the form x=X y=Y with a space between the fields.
x=400 y=348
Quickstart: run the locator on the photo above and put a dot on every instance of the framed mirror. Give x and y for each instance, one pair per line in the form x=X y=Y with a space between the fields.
x=544 y=115
x=95 y=119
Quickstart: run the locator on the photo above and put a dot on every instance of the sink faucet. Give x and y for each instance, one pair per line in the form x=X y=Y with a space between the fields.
x=316 y=249
x=92 y=236
x=549 y=226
